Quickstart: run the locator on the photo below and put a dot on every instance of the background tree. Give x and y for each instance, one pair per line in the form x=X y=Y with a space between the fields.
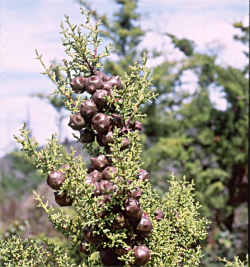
x=216 y=142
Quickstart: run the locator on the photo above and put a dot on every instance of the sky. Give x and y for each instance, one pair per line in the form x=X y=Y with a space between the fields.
x=28 y=25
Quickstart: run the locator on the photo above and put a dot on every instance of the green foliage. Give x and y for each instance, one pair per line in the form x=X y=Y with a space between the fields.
x=45 y=159
x=236 y=263
x=174 y=240
x=135 y=93
x=15 y=252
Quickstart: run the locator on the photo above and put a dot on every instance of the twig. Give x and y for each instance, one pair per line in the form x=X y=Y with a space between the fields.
x=90 y=68
x=95 y=57
x=72 y=101
x=128 y=84
x=132 y=114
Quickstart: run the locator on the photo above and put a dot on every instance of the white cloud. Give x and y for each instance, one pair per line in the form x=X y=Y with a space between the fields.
x=42 y=118
x=24 y=84
x=21 y=38
x=202 y=29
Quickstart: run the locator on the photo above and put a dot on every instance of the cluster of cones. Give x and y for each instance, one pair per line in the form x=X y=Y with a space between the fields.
x=94 y=124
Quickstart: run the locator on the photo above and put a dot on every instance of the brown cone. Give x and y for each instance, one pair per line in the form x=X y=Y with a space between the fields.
x=63 y=200
x=99 y=162
x=93 y=83
x=90 y=236
x=99 y=97
x=142 y=255
x=109 y=172
x=115 y=82
x=142 y=175
x=132 y=206
x=88 y=108
x=56 y=179
x=87 y=136
x=145 y=226
x=106 y=187
x=78 y=85
x=76 y=122
x=135 y=193
x=101 y=122
x=158 y=215
x=100 y=74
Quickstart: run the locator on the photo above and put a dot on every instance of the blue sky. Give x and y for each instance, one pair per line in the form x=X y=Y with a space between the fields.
x=28 y=25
